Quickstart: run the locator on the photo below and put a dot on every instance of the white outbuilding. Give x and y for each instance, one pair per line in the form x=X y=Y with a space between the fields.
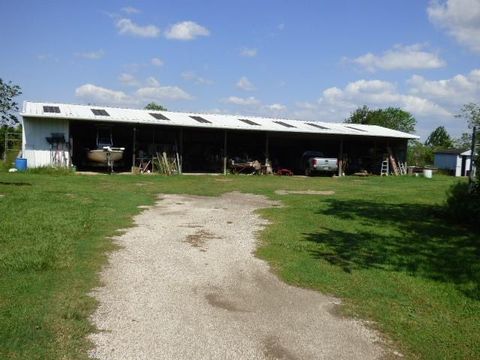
x=456 y=161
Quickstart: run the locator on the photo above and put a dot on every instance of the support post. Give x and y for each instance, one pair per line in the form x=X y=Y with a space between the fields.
x=134 y=146
x=471 y=176
x=225 y=152
x=267 y=154
x=180 y=165
x=340 y=159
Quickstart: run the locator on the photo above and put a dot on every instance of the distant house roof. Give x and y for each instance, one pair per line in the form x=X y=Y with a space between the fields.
x=208 y=121
x=467 y=153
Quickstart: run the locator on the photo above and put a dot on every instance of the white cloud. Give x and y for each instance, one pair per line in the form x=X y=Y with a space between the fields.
x=401 y=57
x=152 y=91
x=245 y=84
x=336 y=103
x=193 y=77
x=91 y=55
x=432 y=101
x=235 y=100
x=128 y=27
x=100 y=95
x=460 y=18
x=248 y=52
x=130 y=10
x=276 y=107
x=458 y=90
x=252 y=106
x=186 y=30
x=157 y=61
x=128 y=79
x=151 y=81
x=47 y=57
x=163 y=93
x=306 y=105
x=378 y=93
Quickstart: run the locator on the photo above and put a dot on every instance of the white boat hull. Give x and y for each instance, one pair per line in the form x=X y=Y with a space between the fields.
x=100 y=155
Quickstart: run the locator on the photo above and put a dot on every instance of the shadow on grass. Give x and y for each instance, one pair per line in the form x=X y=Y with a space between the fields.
x=414 y=239
x=15 y=183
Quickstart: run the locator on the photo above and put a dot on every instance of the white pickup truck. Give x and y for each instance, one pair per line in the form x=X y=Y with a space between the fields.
x=316 y=162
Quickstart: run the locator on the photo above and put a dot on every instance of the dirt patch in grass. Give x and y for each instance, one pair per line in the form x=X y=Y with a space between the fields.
x=219 y=301
x=275 y=350
x=200 y=238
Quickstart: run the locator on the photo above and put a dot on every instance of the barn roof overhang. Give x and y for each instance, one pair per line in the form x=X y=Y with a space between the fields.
x=205 y=121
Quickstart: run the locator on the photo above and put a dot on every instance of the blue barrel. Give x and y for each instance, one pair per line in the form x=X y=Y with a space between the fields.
x=21 y=164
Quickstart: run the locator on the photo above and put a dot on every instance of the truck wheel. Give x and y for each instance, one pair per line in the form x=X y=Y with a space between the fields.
x=308 y=172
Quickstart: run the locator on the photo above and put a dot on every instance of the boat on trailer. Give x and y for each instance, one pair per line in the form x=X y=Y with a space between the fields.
x=101 y=155
x=105 y=154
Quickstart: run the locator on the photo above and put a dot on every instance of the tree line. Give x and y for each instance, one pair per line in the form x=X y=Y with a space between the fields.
x=419 y=153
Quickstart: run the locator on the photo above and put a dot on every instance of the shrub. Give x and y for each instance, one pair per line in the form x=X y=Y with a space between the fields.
x=463 y=205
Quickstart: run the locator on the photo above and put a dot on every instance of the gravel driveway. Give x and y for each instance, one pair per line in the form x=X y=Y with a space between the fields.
x=186 y=285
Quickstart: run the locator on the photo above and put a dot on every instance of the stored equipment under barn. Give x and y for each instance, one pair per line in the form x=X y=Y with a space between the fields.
x=90 y=137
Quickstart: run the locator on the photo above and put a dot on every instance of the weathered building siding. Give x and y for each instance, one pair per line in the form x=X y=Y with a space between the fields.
x=36 y=149
x=451 y=162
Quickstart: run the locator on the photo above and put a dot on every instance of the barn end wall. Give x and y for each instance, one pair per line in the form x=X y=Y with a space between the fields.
x=36 y=149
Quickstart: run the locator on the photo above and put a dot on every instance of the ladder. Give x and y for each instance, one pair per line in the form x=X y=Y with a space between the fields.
x=403 y=168
x=393 y=162
x=384 y=169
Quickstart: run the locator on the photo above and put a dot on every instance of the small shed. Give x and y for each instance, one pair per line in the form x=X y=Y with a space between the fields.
x=455 y=161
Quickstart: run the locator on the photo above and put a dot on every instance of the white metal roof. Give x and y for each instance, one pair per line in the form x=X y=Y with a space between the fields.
x=468 y=153
x=215 y=121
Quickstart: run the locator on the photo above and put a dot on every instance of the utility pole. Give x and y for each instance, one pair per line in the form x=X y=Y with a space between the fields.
x=471 y=177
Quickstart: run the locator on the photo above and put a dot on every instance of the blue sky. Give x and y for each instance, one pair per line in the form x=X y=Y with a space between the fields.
x=315 y=60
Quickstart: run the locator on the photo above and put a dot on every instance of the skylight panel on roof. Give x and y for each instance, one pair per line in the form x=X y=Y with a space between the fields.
x=354 y=128
x=317 y=126
x=51 y=109
x=159 y=116
x=249 y=122
x=284 y=124
x=201 y=119
x=101 y=112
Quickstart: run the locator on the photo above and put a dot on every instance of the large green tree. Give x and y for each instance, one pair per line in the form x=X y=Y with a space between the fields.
x=439 y=138
x=155 y=106
x=464 y=141
x=470 y=112
x=8 y=106
x=419 y=154
x=391 y=117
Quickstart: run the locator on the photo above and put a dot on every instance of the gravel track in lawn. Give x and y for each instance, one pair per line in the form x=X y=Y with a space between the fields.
x=185 y=284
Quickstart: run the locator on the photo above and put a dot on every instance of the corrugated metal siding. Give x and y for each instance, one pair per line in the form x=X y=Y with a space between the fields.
x=446 y=161
x=451 y=162
x=36 y=149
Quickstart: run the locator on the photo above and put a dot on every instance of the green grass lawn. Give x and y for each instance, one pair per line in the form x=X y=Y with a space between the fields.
x=380 y=244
